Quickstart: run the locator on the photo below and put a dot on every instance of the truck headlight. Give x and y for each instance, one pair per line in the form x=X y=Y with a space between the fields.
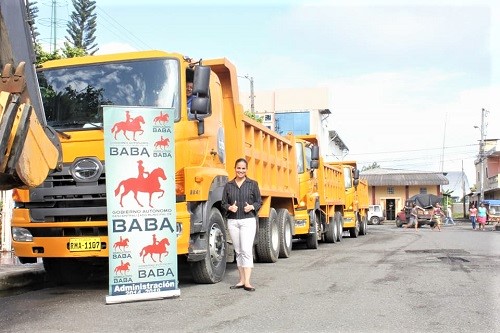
x=21 y=235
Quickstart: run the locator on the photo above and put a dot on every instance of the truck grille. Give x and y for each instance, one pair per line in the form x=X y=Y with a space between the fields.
x=61 y=198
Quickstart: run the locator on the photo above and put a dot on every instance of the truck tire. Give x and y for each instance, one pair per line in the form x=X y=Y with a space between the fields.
x=212 y=268
x=363 y=227
x=340 y=226
x=375 y=220
x=332 y=231
x=285 y=229
x=354 y=232
x=312 y=238
x=399 y=223
x=268 y=244
x=63 y=271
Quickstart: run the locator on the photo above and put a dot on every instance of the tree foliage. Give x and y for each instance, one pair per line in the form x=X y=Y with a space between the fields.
x=82 y=27
x=374 y=165
x=254 y=116
x=32 y=14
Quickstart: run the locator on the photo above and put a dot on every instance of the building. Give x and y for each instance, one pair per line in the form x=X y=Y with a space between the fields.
x=390 y=188
x=489 y=163
x=299 y=111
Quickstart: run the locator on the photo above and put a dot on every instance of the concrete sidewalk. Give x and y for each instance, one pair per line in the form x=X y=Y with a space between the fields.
x=13 y=274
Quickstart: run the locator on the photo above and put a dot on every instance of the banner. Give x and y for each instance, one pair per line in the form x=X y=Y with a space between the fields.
x=140 y=193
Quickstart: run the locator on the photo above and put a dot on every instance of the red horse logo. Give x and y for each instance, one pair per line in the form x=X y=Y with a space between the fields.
x=133 y=125
x=160 y=248
x=150 y=184
x=122 y=268
x=162 y=119
x=162 y=143
x=121 y=244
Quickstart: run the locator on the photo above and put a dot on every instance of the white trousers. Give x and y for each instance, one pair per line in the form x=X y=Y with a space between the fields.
x=243 y=234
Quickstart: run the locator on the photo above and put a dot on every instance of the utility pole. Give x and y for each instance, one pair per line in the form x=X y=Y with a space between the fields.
x=481 y=157
x=252 y=95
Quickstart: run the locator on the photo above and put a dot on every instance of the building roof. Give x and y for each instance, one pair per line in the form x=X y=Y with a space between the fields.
x=396 y=177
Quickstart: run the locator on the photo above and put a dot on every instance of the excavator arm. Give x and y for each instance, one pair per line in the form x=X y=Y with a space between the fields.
x=29 y=148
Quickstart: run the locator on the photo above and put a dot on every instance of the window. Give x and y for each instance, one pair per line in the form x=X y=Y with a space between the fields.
x=268 y=117
x=423 y=190
x=390 y=190
x=300 y=158
x=292 y=122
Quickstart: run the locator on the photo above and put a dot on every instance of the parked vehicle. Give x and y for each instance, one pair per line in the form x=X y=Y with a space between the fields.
x=375 y=214
x=493 y=209
x=356 y=199
x=425 y=201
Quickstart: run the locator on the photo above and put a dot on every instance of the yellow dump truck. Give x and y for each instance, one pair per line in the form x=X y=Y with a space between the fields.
x=356 y=204
x=318 y=212
x=209 y=137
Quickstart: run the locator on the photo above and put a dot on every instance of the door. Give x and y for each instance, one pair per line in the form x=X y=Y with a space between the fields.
x=390 y=209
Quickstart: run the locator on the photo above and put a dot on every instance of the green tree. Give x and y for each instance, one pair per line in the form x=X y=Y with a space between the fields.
x=32 y=14
x=82 y=28
x=254 y=116
x=374 y=165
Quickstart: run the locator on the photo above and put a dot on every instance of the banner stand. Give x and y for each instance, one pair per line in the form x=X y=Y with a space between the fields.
x=140 y=197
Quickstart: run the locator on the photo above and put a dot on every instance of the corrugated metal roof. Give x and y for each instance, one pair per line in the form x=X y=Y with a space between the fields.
x=393 y=177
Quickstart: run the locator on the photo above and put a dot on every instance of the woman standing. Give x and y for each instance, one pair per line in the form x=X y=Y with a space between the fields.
x=481 y=216
x=472 y=216
x=437 y=213
x=241 y=200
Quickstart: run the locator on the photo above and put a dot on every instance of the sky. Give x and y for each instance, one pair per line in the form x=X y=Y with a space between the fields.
x=407 y=79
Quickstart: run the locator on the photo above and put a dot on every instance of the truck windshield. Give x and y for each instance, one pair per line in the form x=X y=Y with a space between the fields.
x=73 y=96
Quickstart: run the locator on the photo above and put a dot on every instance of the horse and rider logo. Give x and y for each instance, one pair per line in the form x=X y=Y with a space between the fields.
x=131 y=124
x=123 y=268
x=162 y=119
x=158 y=247
x=149 y=184
x=121 y=244
x=162 y=143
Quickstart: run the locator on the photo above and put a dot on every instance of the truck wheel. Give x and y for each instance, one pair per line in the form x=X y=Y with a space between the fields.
x=354 y=232
x=375 y=220
x=340 y=226
x=212 y=268
x=285 y=230
x=312 y=238
x=331 y=231
x=399 y=223
x=363 y=228
x=63 y=271
x=268 y=238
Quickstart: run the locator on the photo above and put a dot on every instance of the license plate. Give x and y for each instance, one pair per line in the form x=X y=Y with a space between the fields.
x=85 y=244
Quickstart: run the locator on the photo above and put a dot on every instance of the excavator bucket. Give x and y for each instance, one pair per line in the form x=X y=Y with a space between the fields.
x=29 y=149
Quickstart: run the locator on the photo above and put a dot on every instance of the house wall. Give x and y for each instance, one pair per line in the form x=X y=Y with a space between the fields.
x=379 y=195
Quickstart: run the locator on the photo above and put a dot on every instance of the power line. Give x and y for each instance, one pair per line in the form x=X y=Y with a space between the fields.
x=120 y=29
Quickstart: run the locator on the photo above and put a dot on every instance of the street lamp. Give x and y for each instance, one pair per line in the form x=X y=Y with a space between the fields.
x=252 y=95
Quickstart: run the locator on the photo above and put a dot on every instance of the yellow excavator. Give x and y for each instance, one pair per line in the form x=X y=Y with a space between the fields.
x=29 y=148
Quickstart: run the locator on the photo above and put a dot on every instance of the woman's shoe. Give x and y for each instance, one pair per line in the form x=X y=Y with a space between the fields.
x=237 y=286
x=249 y=288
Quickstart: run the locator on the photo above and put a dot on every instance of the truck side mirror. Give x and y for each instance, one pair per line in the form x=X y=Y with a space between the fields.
x=314 y=157
x=200 y=105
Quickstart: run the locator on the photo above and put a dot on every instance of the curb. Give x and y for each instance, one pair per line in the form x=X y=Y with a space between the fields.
x=15 y=276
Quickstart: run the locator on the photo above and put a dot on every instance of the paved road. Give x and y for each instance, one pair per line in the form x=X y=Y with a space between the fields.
x=392 y=280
